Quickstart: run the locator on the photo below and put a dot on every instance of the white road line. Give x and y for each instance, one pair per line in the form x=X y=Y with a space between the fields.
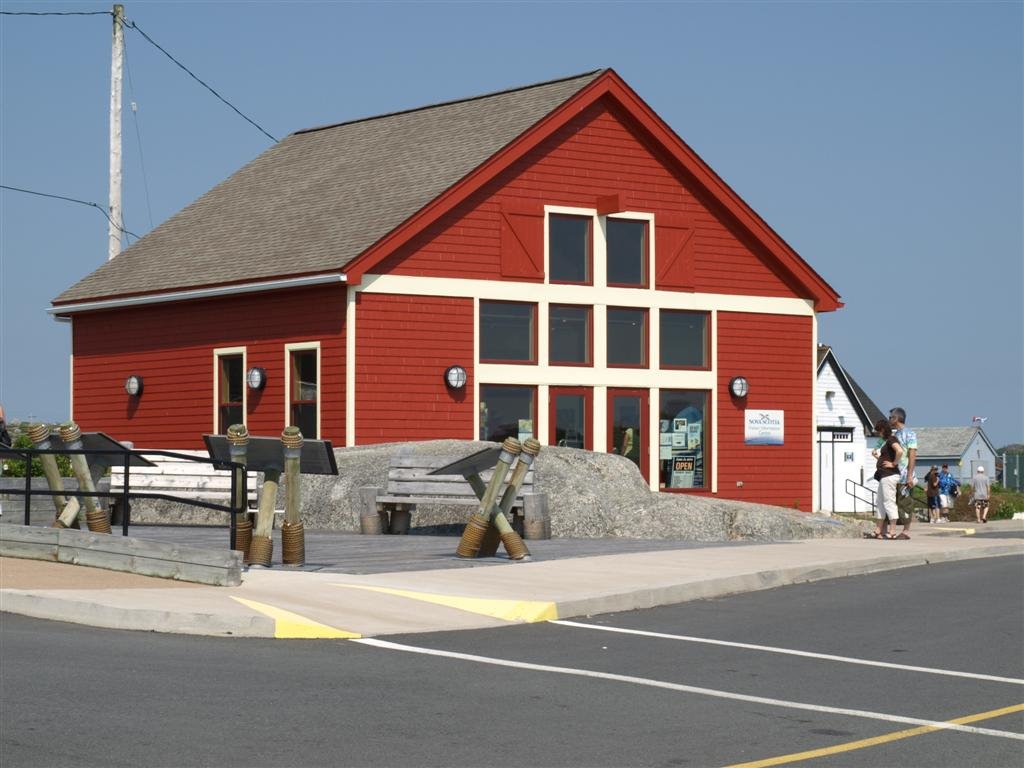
x=790 y=652
x=687 y=689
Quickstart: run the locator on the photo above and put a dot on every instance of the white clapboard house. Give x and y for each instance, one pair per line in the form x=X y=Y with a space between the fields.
x=845 y=436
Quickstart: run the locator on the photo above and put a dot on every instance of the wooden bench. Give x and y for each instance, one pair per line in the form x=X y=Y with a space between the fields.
x=183 y=479
x=389 y=510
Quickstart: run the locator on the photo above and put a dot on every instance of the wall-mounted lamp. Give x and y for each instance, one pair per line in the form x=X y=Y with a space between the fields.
x=739 y=386
x=455 y=377
x=256 y=378
x=133 y=385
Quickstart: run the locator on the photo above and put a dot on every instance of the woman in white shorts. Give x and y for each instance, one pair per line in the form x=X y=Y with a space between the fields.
x=886 y=511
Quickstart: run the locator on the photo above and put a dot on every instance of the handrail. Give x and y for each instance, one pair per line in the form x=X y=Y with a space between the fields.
x=857 y=486
x=126 y=494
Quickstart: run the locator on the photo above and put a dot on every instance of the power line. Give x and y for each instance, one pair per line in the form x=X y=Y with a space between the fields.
x=56 y=13
x=137 y=28
x=151 y=41
x=138 y=136
x=97 y=206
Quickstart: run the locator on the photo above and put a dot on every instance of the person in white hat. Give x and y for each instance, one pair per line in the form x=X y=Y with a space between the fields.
x=980 y=490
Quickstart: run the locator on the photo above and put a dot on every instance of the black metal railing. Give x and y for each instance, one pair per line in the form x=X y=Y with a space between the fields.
x=124 y=495
x=860 y=492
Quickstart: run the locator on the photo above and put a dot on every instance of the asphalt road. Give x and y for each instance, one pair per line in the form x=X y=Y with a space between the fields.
x=77 y=696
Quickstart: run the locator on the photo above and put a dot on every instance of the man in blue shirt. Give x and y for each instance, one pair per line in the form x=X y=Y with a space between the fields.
x=948 y=488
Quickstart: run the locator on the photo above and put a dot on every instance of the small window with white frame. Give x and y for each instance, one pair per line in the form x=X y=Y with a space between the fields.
x=229 y=388
x=302 y=402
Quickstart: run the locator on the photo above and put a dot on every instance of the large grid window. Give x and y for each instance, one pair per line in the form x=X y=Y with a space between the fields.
x=230 y=392
x=683 y=439
x=507 y=411
x=627 y=337
x=684 y=339
x=304 y=378
x=569 y=249
x=569 y=335
x=627 y=252
x=508 y=332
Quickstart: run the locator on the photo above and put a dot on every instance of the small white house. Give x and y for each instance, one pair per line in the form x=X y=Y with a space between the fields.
x=845 y=436
x=964 y=449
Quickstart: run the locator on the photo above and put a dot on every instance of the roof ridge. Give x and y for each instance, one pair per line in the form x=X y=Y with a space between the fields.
x=446 y=103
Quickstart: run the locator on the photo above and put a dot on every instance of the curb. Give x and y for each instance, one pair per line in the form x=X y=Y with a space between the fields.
x=95 y=614
x=759 y=580
x=48 y=605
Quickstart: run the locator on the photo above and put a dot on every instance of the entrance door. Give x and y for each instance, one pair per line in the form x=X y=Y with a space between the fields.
x=627 y=426
x=571 y=417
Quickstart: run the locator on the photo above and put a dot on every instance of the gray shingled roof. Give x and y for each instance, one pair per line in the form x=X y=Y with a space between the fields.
x=319 y=198
x=944 y=442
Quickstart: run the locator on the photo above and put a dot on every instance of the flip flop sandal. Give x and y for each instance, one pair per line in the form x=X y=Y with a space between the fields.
x=902 y=536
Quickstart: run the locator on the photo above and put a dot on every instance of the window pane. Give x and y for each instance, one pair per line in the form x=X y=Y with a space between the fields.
x=570 y=421
x=304 y=417
x=231 y=378
x=570 y=334
x=229 y=414
x=627 y=336
x=683 y=440
x=627 y=427
x=304 y=384
x=627 y=257
x=506 y=331
x=304 y=378
x=229 y=391
x=684 y=339
x=569 y=249
x=506 y=412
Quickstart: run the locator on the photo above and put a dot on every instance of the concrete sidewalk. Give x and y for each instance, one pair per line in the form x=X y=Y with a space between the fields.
x=574 y=578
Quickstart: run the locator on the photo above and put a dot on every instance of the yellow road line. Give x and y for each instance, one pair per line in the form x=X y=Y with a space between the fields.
x=528 y=611
x=288 y=625
x=875 y=741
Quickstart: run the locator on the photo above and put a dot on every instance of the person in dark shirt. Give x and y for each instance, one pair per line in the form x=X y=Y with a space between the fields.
x=887 y=474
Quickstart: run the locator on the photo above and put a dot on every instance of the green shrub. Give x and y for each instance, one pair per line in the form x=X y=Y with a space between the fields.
x=16 y=467
x=1006 y=505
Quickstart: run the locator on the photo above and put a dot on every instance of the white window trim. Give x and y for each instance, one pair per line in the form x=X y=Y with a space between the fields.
x=218 y=353
x=598 y=376
x=597 y=233
x=302 y=347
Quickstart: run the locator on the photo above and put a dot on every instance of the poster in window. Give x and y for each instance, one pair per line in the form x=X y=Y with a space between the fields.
x=693 y=435
x=678 y=425
x=683 y=469
x=525 y=429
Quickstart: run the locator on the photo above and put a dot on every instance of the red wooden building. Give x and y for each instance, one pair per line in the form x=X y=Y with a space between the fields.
x=596 y=281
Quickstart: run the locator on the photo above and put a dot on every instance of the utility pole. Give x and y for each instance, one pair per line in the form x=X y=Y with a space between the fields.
x=116 y=70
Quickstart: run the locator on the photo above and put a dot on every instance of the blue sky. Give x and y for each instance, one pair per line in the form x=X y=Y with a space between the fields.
x=883 y=141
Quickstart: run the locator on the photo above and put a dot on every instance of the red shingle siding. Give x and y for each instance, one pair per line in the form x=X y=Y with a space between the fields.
x=775 y=354
x=171 y=346
x=404 y=344
x=598 y=153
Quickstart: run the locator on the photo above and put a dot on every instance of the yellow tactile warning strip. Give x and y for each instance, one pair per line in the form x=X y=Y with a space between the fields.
x=527 y=611
x=876 y=740
x=288 y=625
